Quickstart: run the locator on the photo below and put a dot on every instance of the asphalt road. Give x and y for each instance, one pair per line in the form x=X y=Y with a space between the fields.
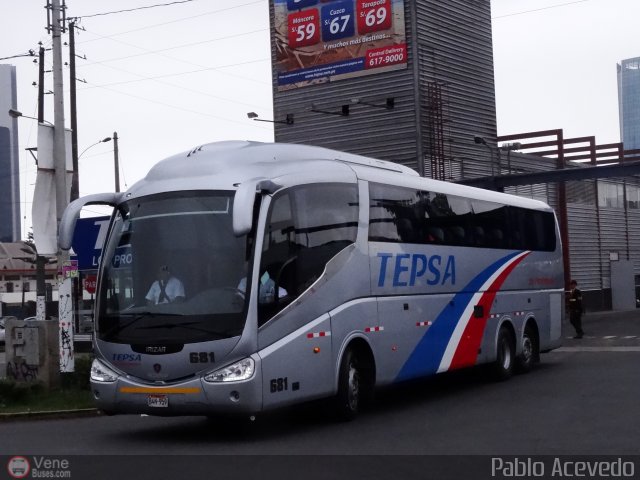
x=581 y=399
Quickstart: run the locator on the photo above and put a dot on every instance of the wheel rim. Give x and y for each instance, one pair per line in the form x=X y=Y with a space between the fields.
x=506 y=354
x=353 y=390
x=527 y=348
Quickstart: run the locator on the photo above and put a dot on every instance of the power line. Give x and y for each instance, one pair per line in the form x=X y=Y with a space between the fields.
x=212 y=12
x=180 y=87
x=137 y=8
x=178 y=74
x=202 y=67
x=30 y=53
x=176 y=107
x=174 y=47
x=181 y=60
x=539 y=9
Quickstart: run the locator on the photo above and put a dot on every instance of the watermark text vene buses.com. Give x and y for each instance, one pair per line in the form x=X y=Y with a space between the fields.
x=38 y=467
x=562 y=467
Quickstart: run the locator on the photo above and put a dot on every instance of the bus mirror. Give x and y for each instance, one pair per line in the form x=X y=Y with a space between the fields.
x=72 y=212
x=243 y=208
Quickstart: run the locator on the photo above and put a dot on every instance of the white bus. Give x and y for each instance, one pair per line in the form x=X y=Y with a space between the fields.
x=306 y=273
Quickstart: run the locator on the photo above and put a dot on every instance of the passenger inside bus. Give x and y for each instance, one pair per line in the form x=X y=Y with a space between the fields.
x=267 y=288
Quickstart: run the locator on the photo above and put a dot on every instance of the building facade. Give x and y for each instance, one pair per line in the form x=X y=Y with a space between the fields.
x=401 y=80
x=9 y=160
x=18 y=280
x=419 y=90
x=603 y=224
x=629 y=102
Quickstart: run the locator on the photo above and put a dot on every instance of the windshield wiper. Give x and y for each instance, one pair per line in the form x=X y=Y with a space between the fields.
x=189 y=325
x=149 y=312
x=137 y=316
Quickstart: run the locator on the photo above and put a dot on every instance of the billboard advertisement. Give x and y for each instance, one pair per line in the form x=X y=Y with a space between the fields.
x=88 y=237
x=318 y=41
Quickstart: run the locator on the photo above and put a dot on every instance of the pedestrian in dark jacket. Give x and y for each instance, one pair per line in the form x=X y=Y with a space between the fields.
x=575 y=308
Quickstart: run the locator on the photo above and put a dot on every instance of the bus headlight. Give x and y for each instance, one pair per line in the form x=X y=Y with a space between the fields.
x=242 y=370
x=100 y=373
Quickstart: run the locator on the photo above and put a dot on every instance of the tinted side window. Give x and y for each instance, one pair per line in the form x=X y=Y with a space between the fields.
x=399 y=214
x=396 y=214
x=325 y=215
x=490 y=225
x=306 y=227
x=537 y=229
x=448 y=219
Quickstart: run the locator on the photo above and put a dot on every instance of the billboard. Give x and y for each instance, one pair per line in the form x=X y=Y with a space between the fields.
x=88 y=237
x=318 y=41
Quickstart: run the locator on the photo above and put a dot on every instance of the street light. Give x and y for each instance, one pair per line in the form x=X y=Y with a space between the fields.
x=287 y=121
x=104 y=140
x=116 y=166
x=509 y=147
x=13 y=113
x=481 y=141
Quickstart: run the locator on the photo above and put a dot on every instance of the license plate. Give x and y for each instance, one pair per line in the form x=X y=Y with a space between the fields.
x=161 y=401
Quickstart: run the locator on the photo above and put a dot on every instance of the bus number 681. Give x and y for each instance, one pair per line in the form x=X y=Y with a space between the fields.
x=279 y=384
x=201 y=357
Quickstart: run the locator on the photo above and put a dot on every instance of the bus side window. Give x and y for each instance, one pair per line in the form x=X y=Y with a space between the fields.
x=456 y=235
x=478 y=235
x=307 y=226
x=405 y=230
x=279 y=237
x=435 y=235
x=395 y=214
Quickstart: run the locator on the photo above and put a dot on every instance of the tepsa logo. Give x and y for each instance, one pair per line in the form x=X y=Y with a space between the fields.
x=408 y=270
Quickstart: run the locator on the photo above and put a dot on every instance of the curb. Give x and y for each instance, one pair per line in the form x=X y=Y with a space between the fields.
x=49 y=415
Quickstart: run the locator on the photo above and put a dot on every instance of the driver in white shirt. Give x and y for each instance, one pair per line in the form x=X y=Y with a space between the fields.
x=166 y=289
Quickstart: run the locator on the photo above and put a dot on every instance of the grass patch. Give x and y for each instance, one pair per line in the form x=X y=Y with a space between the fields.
x=73 y=393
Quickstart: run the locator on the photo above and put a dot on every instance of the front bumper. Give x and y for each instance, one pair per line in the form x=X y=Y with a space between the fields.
x=190 y=397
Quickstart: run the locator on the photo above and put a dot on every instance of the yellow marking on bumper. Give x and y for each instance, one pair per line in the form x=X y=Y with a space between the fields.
x=160 y=390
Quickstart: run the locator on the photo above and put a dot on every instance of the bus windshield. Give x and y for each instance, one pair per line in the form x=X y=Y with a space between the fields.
x=173 y=272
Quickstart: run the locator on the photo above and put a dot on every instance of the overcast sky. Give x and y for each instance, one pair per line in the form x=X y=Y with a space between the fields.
x=171 y=78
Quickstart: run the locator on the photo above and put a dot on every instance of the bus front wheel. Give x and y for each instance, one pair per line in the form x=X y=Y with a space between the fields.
x=349 y=398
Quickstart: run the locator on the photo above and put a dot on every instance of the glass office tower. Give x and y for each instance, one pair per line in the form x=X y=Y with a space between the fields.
x=9 y=164
x=629 y=102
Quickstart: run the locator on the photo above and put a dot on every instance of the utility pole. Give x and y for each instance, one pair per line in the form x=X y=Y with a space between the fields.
x=116 y=164
x=59 y=151
x=41 y=85
x=75 y=176
x=75 y=179
x=41 y=310
x=65 y=305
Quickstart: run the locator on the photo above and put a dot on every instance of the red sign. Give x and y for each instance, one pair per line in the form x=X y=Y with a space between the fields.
x=374 y=16
x=89 y=283
x=381 y=57
x=304 y=28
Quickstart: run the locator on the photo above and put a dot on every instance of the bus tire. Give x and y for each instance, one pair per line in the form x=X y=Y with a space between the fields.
x=350 y=382
x=502 y=368
x=530 y=350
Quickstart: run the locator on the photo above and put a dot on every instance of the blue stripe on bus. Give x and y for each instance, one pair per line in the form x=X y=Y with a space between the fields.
x=426 y=357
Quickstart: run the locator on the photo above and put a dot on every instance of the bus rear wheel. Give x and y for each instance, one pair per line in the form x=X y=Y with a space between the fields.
x=350 y=387
x=503 y=366
x=530 y=350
